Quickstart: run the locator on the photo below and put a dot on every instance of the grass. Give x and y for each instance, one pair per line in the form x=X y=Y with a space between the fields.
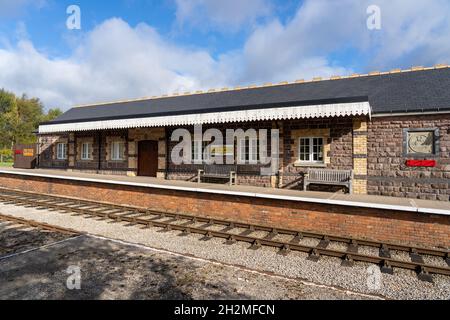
x=6 y=164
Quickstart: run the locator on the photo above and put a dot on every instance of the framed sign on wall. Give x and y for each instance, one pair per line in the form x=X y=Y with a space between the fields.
x=421 y=143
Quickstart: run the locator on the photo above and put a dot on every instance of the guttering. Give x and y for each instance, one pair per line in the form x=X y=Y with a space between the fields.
x=411 y=113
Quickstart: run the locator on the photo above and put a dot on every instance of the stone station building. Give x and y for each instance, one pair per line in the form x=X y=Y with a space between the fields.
x=391 y=128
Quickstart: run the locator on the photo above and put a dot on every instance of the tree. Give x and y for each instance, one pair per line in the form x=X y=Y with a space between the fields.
x=6 y=155
x=30 y=113
x=20 y=118
x=52 y=114
x=8 y=118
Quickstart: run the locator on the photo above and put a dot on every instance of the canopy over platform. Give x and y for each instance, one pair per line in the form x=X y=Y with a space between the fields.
x=381 y=94
x=287 y=113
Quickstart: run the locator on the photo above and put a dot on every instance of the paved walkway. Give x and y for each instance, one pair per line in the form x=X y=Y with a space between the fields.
x=380 y=202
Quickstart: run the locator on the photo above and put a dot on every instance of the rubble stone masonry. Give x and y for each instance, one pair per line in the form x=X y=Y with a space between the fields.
x=388 y=173
x=373 y=148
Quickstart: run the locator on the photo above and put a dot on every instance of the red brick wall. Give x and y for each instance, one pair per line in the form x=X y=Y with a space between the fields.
x=383 y=225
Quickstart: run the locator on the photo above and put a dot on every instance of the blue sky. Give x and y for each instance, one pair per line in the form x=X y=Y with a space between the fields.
x=46 y=23
x=133 y=48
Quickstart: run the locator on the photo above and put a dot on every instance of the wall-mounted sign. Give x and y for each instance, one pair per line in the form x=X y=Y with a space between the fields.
x=25 y=156
x=421 y=142
x=421 y=163
x=28 y=152
x=222 y=150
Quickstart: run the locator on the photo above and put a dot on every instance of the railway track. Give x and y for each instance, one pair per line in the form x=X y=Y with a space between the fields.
x=232 y=232
x=37 y=225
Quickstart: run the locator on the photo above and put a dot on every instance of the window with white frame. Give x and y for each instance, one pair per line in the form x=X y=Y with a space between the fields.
x=61 y=151
x=117 y=150
x=248 y=150
x=310 y=149
x=86 y=148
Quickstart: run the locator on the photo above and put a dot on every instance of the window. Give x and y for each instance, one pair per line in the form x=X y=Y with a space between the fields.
x=248 y=148
x=117 y=150
x=61 y=151
x=421 y=142
x=198 y=148
x=86 y=151
x=310 y=150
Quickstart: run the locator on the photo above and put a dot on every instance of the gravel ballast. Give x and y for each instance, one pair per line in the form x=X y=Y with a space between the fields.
x=15 y=237
x=361 y=278
x=111 y=269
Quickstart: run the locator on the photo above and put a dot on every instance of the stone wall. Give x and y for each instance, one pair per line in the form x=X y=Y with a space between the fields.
x=338 y=133
x=100 y=154
x=141 y=134
x=106 y=165
x=247 y=174
x=387 y=171
x=373 y=148
x=47 y=149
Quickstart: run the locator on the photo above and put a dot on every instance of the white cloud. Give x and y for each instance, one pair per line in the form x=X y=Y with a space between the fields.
x=103 y=68
x=229 y=15
x=116 y=61
x=412 y=34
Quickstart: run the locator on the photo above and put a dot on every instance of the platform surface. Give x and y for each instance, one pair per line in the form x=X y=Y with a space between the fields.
x=367 y=201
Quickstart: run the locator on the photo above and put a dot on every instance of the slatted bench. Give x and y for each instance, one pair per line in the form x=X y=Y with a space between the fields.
x=218 y=171
x=329 y=177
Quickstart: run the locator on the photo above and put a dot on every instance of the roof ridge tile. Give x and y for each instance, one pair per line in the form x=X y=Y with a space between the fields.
x=269 y=84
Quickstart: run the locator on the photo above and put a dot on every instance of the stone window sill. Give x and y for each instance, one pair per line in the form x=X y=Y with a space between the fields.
x=310 y=164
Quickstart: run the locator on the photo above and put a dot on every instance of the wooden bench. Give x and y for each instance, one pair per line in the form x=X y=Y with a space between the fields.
x=218 y=171
x=329 y=177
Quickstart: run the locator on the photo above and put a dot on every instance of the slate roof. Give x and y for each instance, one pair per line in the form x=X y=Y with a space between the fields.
x=412 y=91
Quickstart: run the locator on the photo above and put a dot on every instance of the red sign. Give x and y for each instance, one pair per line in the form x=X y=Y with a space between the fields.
x=421 y=163
x=18 y=152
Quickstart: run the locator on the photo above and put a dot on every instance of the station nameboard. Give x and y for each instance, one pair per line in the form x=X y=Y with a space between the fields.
x=25 y=156
x=28 y=153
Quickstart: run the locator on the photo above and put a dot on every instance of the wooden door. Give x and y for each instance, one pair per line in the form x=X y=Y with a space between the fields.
x=148 y=158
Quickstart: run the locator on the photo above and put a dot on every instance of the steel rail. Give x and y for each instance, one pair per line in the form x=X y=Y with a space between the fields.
x=348 y=240
x=133 y=215
x=38 y=225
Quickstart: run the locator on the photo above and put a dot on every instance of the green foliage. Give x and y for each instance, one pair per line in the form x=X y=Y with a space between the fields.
x=8 y=118
x=52 y=114
x=6 y=156
x=20 y=118
x=6 y=152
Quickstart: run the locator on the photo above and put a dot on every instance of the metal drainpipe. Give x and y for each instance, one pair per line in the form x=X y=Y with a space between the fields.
x=280 y=173
x=38 y=151
x=99 y=151
x=166 y=173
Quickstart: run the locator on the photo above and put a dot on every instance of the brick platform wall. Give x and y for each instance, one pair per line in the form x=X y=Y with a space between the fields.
x=374 y=224
x=388 y=174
